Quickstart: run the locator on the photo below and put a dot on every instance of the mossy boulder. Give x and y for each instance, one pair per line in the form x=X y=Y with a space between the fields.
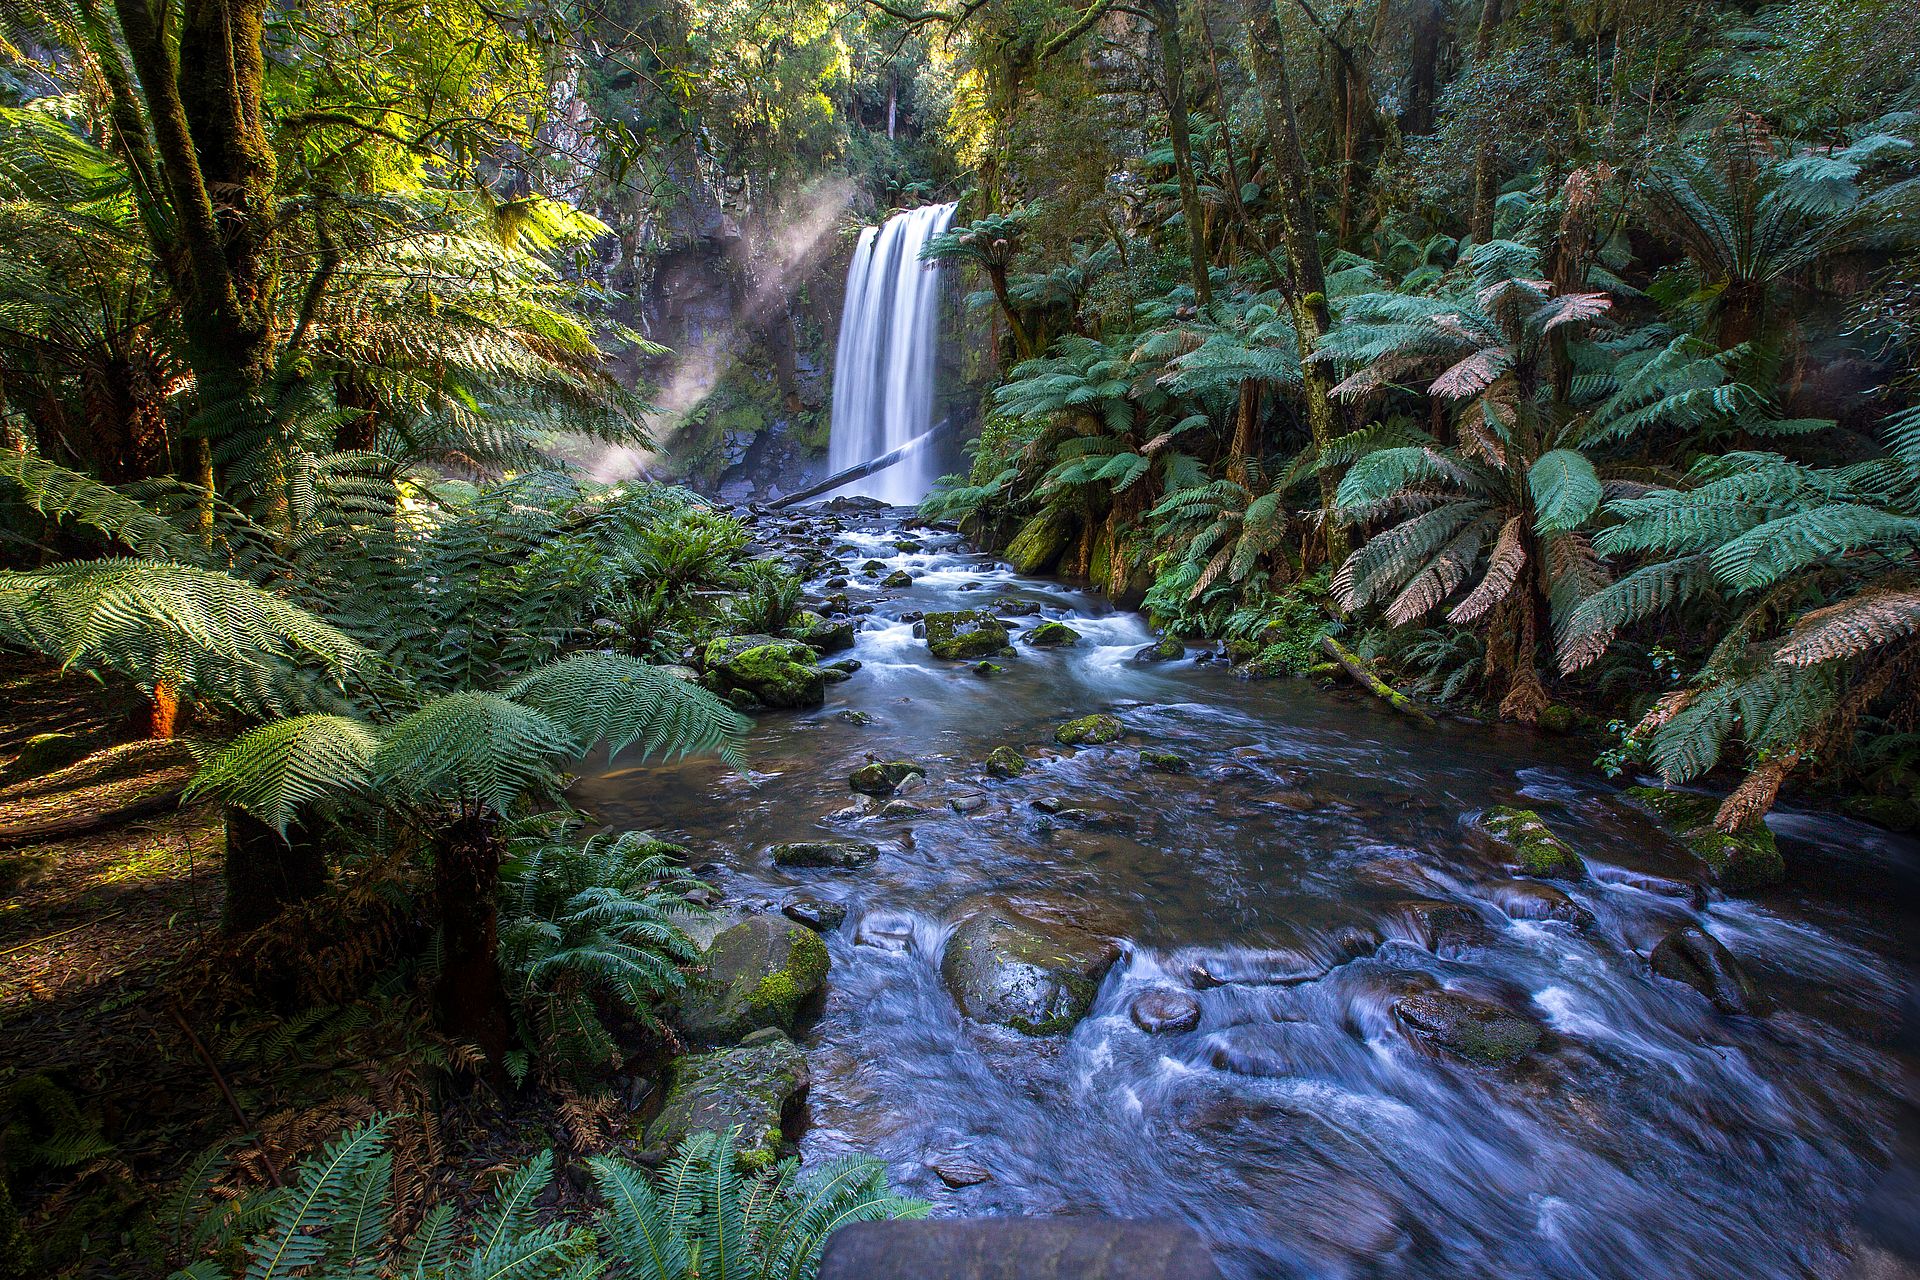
x=1524 y=839
x=822 y=635
x=1089 y=731
x=1041 y=541
x=1165 y=649
x=1005 y=762
x=897 y=579
x=759 y=973
x=751 y=1087
x=964 y=633
x=1692 y=955
x=842 y=854
x=1468 y=1027
x=45 y=752
x=1747 y=859
x=776 y=673
x=884 y=777
x=1166 y=761
x=1558 y=718
x=1053 y=635
x=1039 y=980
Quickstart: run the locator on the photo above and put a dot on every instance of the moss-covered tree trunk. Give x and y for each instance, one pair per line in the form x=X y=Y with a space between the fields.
x=1307 y=297
x=1173 y=83
x=1480 y=220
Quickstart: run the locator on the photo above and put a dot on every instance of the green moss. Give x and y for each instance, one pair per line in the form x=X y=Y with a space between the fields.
x=884 y=777
x=1041 y=541
x=1053 y=635
x=964 y=633
x=1005 y=762
x=780 y=673
x=747 y=1087
x=1748 y=859
x=1524 y=836
x=1089 y=731
x=1165 y=761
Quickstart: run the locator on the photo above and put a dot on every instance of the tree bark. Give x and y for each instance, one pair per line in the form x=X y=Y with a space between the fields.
x=1174 y=85
x=471 y=998
x=265 y=874
x=1300 y=238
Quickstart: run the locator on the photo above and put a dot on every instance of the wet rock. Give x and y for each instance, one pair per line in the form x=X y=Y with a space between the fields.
x=1053 y=635
x=1040 y=542
x=1005 y=762
x=898 y=578
x=968 y=802
x=1396 y=873
x=1280 y=966
x=750 y=1088
x=1444 y=927
x=1015 y=608
x=1471 y=1028
x=956 y=1170
x=1166 y=761
x=1089 y=731
x=778 y=673
x=1034 y=978
x=1158 y=1012
x=1165 y=649
x=1530 y=900
x=897 y=809
x=818 y=914
x=874 y=568
x=885 y=931
x=1558 y=718
x=846 y=665
x=820 y=634
x=964 y=633
x=1692 y=955
x=985 y=668
x=835 y=675
x=759 y=973
x=825 y=853
x=1691 y=892
x=1524 y=839
x=854 y=717
x=884 y=777
x=907 y=546
x=1292 y=799
x=1744 y=860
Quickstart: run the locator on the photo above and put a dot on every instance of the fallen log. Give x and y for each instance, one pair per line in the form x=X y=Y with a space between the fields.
x=67 y=826
x=856 y=472
x=1356 y=667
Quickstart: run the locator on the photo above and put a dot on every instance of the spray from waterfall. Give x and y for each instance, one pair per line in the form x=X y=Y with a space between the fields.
x=884 y=366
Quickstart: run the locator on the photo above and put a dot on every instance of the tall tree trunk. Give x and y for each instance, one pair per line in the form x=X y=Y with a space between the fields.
x=1174 y=85
x=1300 y=238
x=1480 y=221
x=471 y=998
x=266 y=874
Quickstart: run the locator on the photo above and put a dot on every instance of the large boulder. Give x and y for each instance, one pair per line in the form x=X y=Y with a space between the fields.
x=884 y=777
x=1468 y=1027
x=1747 y=859
x=779 y=673
x=1040 y=542
x=1005 y=762
x=822 y=635
x=964 y=633
x=1053 y=635
x=1692 y=955
x=758 y=973
x=1527 y=843
x=1037 y=979
x=750 y=1087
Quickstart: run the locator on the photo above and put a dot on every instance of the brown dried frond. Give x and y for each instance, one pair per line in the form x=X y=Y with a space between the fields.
x=1503 y=570
x=1852 y=627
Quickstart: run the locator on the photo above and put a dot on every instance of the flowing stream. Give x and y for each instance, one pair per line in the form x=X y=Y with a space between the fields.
x=884 y=366
x=1299 y=1127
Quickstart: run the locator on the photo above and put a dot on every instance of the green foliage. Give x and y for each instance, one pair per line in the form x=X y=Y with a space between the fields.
x=701 y=1220
x=585 y=920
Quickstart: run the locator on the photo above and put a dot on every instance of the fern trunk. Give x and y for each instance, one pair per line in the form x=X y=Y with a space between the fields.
x=471 y=999
x=265 y=875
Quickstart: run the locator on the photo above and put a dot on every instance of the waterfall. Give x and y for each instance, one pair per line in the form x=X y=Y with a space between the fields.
x=884 y=365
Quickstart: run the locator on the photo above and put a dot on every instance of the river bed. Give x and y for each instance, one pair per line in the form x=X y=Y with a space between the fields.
x=1299 y=1127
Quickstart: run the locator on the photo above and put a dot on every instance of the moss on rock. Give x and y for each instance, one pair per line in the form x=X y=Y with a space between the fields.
x=1035 y=979
x=825 y=853
x=1041 y=541
x=1524 y=837
x=1005 y=762
x=822 y=635
x=884 y=777
x=964 y=633
x=1748 y=859
x=1053 y=635
x=778 y=673
x=759 y=973
x=1089 y=731
x=750 y=1087
x=1475 y=1029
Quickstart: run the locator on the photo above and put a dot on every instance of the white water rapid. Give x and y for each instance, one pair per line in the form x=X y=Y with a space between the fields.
x=884 y=367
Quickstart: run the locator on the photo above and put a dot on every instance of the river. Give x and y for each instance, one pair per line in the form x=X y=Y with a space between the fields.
x=1299 y=1126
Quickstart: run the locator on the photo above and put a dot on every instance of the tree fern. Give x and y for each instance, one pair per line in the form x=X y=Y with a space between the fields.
x=623 y=702
x=279 y=769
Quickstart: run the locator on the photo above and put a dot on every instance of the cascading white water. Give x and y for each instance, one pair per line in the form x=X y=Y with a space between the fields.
x=884 y=366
